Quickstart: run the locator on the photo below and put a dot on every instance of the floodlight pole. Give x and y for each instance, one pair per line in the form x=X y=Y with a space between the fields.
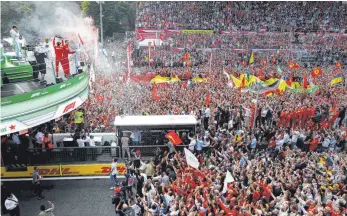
x=101 y=27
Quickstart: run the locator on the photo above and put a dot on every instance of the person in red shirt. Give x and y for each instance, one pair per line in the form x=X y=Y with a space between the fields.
x=59 y=55
x=46 y=141
x=65 y=60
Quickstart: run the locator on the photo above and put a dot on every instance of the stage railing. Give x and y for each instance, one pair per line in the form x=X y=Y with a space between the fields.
x=98 y=154
x=76 y=155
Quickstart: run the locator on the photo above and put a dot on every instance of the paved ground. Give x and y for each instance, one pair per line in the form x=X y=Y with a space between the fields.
x=71 y=197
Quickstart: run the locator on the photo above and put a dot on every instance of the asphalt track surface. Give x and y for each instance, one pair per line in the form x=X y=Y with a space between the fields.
x=70 y=197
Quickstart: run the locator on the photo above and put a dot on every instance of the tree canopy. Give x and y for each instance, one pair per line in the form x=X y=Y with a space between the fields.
x=117 y=16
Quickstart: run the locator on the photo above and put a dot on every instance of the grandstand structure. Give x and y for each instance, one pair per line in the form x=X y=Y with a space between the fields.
x=300 y=30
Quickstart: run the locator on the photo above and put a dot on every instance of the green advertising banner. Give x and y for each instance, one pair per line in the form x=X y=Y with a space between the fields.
x=43 y=92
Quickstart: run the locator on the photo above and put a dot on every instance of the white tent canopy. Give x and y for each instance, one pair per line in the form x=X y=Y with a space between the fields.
x=155 y=120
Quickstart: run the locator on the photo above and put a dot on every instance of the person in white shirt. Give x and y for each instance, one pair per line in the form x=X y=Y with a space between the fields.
x=12 y=204
x=192 y=143
x=125 y=145
x=15 y=138
x=207 y=117
x=113 y=173
x=326 y=143
x=15 y=39
x=247 y=115
x=38 y=138
x=294 y=138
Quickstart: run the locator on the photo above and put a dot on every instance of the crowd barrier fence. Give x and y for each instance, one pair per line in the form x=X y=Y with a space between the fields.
x=83 y=155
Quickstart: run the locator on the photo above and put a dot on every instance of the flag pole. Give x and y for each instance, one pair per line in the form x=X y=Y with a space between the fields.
x=256 y=107
x=149 y=54
x=211 y=61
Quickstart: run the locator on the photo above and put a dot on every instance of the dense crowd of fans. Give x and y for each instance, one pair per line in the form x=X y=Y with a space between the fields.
x=245 y=16
x=286 y=154
x=275 y=155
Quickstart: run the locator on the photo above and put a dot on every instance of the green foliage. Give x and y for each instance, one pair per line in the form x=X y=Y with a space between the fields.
x=117 y=16
x=12 y=13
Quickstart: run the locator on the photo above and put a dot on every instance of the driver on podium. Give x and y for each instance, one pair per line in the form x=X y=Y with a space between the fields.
x=66 y=52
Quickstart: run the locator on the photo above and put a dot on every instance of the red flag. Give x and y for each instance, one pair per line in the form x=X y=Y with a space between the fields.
x=208 y=98
x=305 y=83
x=269 y=92
x=316 y=72
x=185 y=57
x=293 y=65
x=243 y=83
x=155 y=95
x=173 y=137
x=99 y=98
x=162 y=36
x=260 y=74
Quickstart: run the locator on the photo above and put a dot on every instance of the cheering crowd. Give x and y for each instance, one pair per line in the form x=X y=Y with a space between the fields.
x=292 y=163
x=244 y=16
x=282 y=153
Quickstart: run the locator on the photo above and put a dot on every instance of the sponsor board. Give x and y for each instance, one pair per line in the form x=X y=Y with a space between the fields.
x=42 y=92
x=197 y=31
x=65 y=170
x=11 y=127
x=68 y=106
x=7 y=127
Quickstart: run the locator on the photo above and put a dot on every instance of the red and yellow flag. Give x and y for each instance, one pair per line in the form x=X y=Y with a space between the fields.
x=173 y=137
x=316 y=72
x=293 y=65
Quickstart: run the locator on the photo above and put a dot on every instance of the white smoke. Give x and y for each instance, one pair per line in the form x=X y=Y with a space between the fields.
x=56 y=18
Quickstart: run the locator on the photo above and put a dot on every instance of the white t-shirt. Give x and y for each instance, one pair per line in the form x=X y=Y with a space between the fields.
x=14 y=34
x=207 y=112
x=31 y=56
x=39 y=137
x=247 y=112
x=11 y=202
x=81 y=143
x=114 y=170
x=192 y=144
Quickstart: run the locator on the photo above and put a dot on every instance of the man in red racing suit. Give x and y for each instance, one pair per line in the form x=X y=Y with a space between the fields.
x=66 y=52
x=62 y=52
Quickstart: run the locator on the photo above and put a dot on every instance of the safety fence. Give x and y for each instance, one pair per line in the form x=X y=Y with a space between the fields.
x=89 y=155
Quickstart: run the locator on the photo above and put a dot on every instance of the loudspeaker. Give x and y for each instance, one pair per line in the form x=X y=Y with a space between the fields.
x=80 y=70
x=82 y=64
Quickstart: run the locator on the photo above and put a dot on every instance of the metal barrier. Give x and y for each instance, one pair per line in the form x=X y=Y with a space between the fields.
x=149 y=151
x=96 y=154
